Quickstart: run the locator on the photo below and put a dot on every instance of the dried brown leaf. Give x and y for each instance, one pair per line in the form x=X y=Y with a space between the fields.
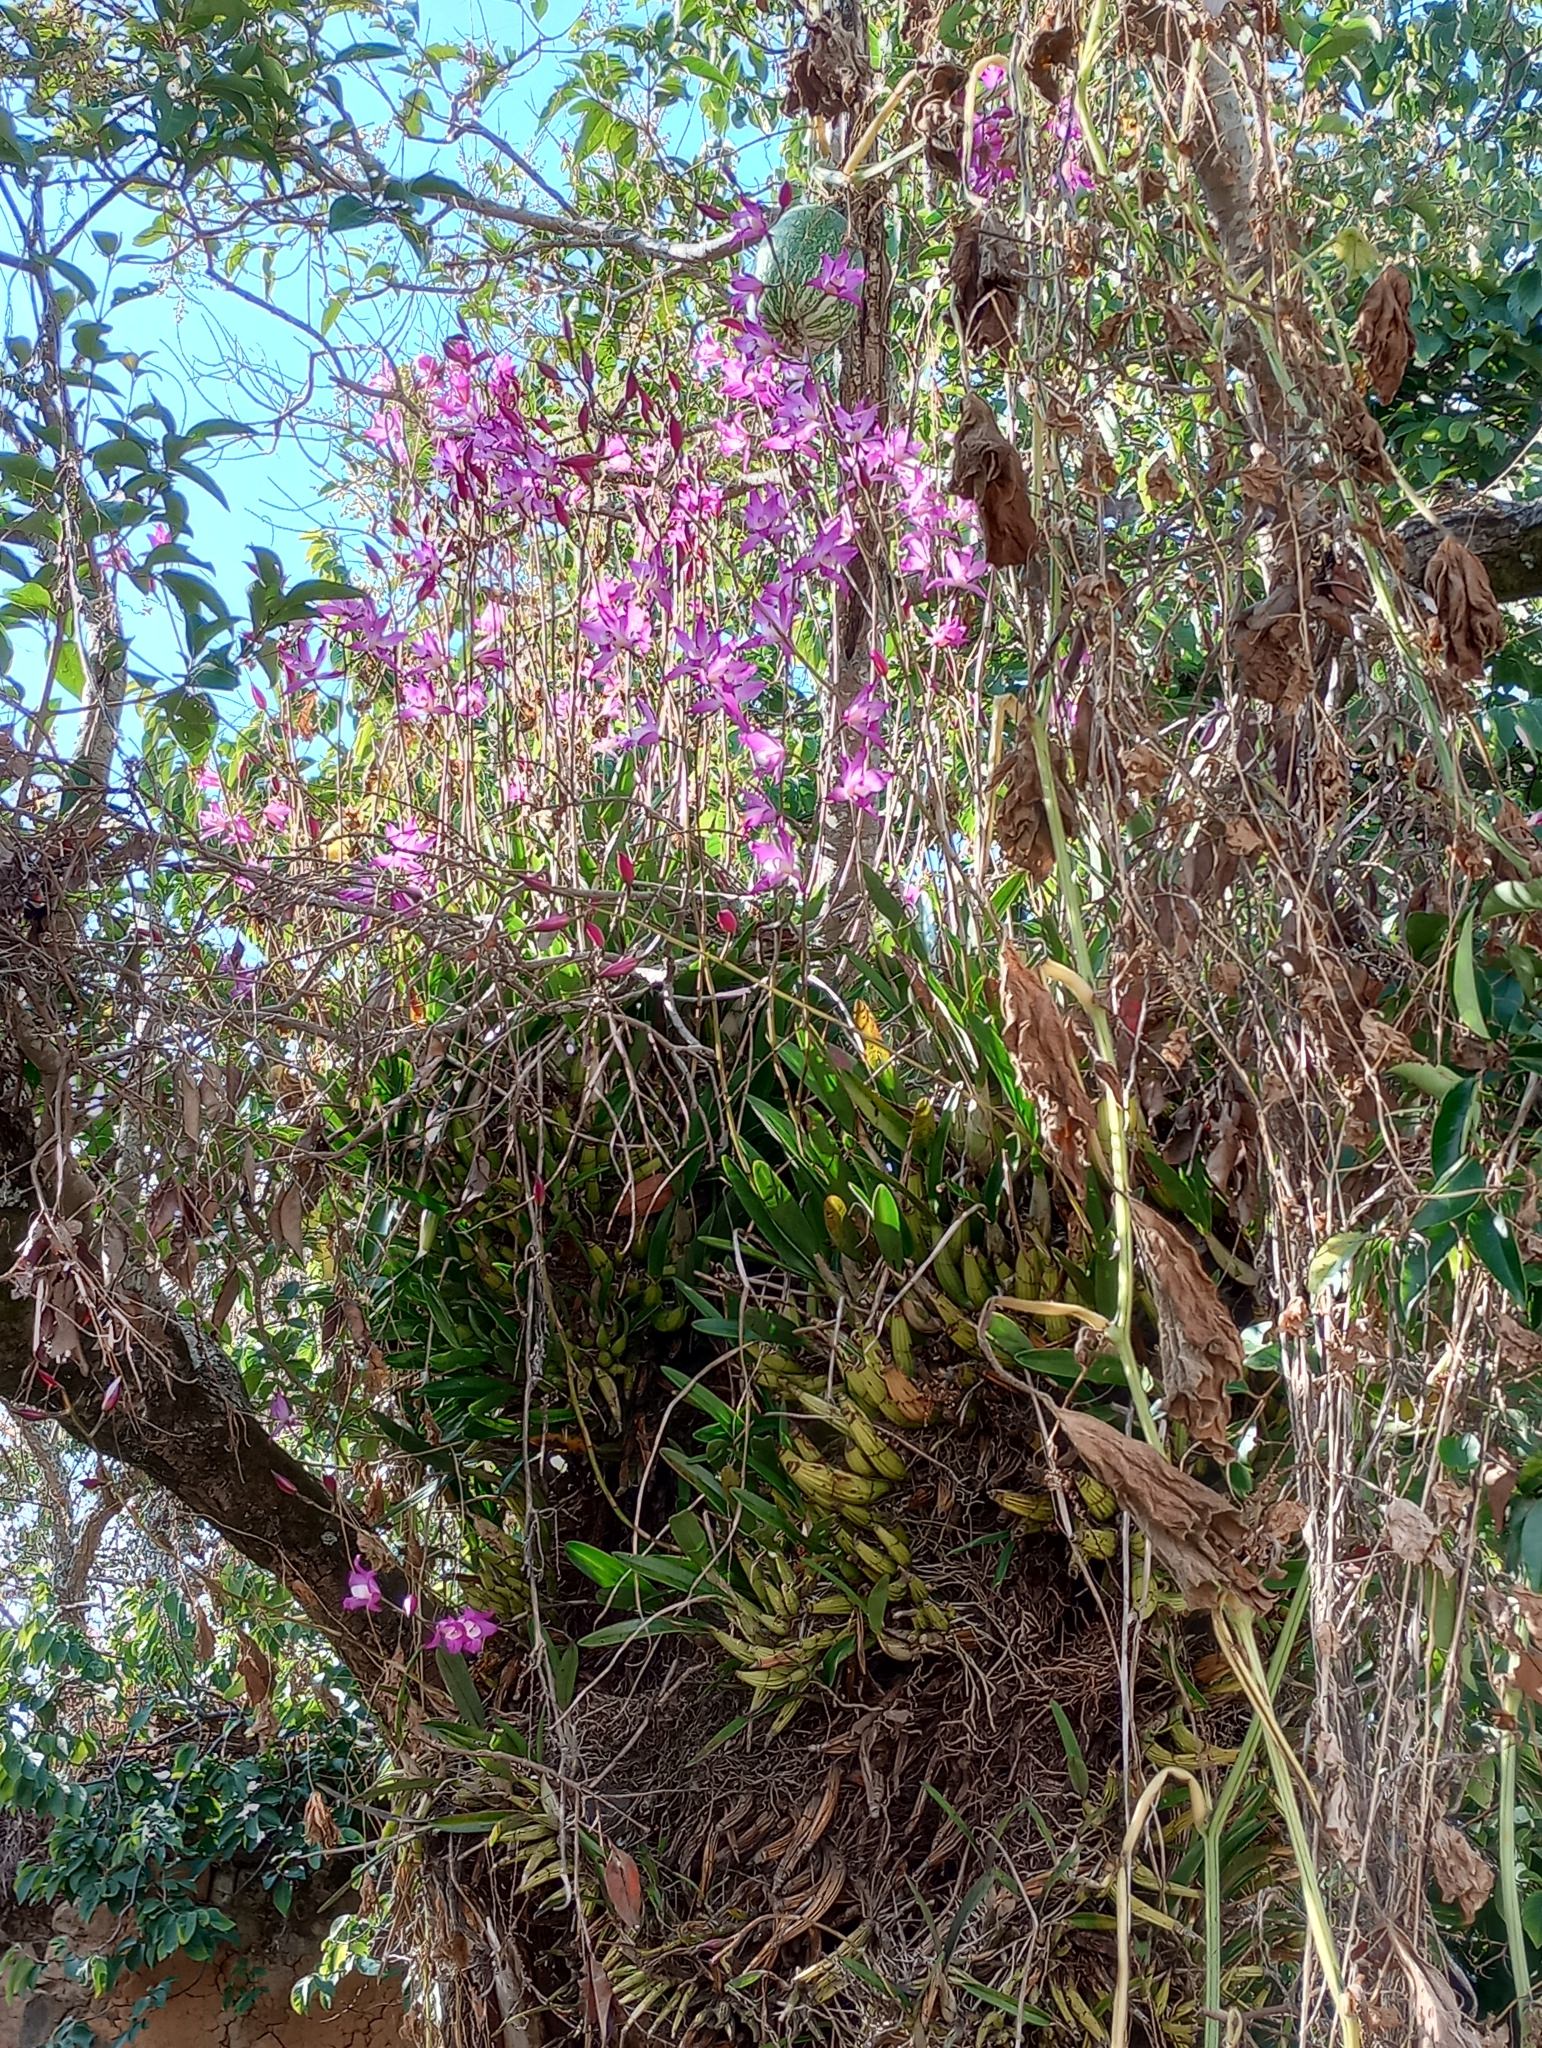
x=1437 y=2020
x=286 y=1220
x=1145 y=768
x=190 y=1102
x=1465 y=1880
x=1471 y=626
x=1527 y=1675
x=1272 y=655
x=164 y=1210
x=1498 y=1480
x=228 y=1296
x=1384 y=336
x=1051 y=51
x=1197 y=1533
x=255 y=1672
x=599 y=1999
x=828 y=76
x=1044 y=1055
x=1200 y=1349
x=986 y=270
x=1262 y=483
x=321 y=1829
x=623 y=1888
x=644 y=1198
x=988 y=469
x=1365 y=444
x=1413 y=1537
x=939 y=119
x=1021 y=825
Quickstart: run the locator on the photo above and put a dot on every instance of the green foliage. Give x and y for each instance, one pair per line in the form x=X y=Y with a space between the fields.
x=158 y=1806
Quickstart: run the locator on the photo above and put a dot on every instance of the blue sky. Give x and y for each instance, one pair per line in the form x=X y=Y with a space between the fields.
x=207 y=353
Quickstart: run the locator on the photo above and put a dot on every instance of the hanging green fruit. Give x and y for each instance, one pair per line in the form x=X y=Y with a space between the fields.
x=803 y=319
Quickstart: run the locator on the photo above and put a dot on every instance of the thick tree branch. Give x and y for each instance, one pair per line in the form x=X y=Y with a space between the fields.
x=1505 y=537
x=181 y=1418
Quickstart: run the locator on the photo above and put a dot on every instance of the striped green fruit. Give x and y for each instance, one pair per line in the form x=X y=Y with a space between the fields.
x=803 y=320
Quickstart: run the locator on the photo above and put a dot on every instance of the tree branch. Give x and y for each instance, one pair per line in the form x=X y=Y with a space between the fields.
x=1505 y=537
x=181 y=1418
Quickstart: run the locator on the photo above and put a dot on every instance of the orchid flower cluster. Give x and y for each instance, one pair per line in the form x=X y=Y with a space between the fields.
x=459 y=1635
x=708 y=560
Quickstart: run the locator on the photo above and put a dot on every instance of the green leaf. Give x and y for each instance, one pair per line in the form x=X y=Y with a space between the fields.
x=1433 y=1081
x=458 y=1682
x=1333 y=1259
x=1464 y=982
x=1075 y=1762
x=349 y=211
x=1448 y=1141
x=889 y=1228
x=191 y=720
x=70 y=670
x=1522 y=897
x=1493 y=1242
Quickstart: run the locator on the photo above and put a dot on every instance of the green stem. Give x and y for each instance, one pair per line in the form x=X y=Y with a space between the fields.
x=1236 y=1777
x=1234 y=1631
x=1118 y=1127
x=1509 y=1862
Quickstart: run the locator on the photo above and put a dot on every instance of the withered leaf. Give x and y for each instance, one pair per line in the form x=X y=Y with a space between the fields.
x=939 y=119
x=1262 y=483
x=986 y=271
x=1527 y=1675
x=1470 y=623
x=1465 y=1880
x=1384 y=336
x=190 y=1102
x=228 y=1296
x=1021 y=825
x=623 y=1888
x=1365 y=444
x=1050 y=52
x=321 y=1829
x=1197 y=1533
x=988 y=469
x=1044 y=1054
x=255 y=1671
x=644 y=1198
x=599 y=1999
x=1413 y=1537
x=1272 y=655
x=286 y=1220
x=164 y=1210
x=827 y=76
x=1201 y=1350
x=1437 y=2020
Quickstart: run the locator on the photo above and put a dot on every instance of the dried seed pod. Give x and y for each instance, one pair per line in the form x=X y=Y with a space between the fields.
x=1384 y=335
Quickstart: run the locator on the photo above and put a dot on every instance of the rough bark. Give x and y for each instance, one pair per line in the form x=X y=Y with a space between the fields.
x=1506 y=538
x=182 y=1420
